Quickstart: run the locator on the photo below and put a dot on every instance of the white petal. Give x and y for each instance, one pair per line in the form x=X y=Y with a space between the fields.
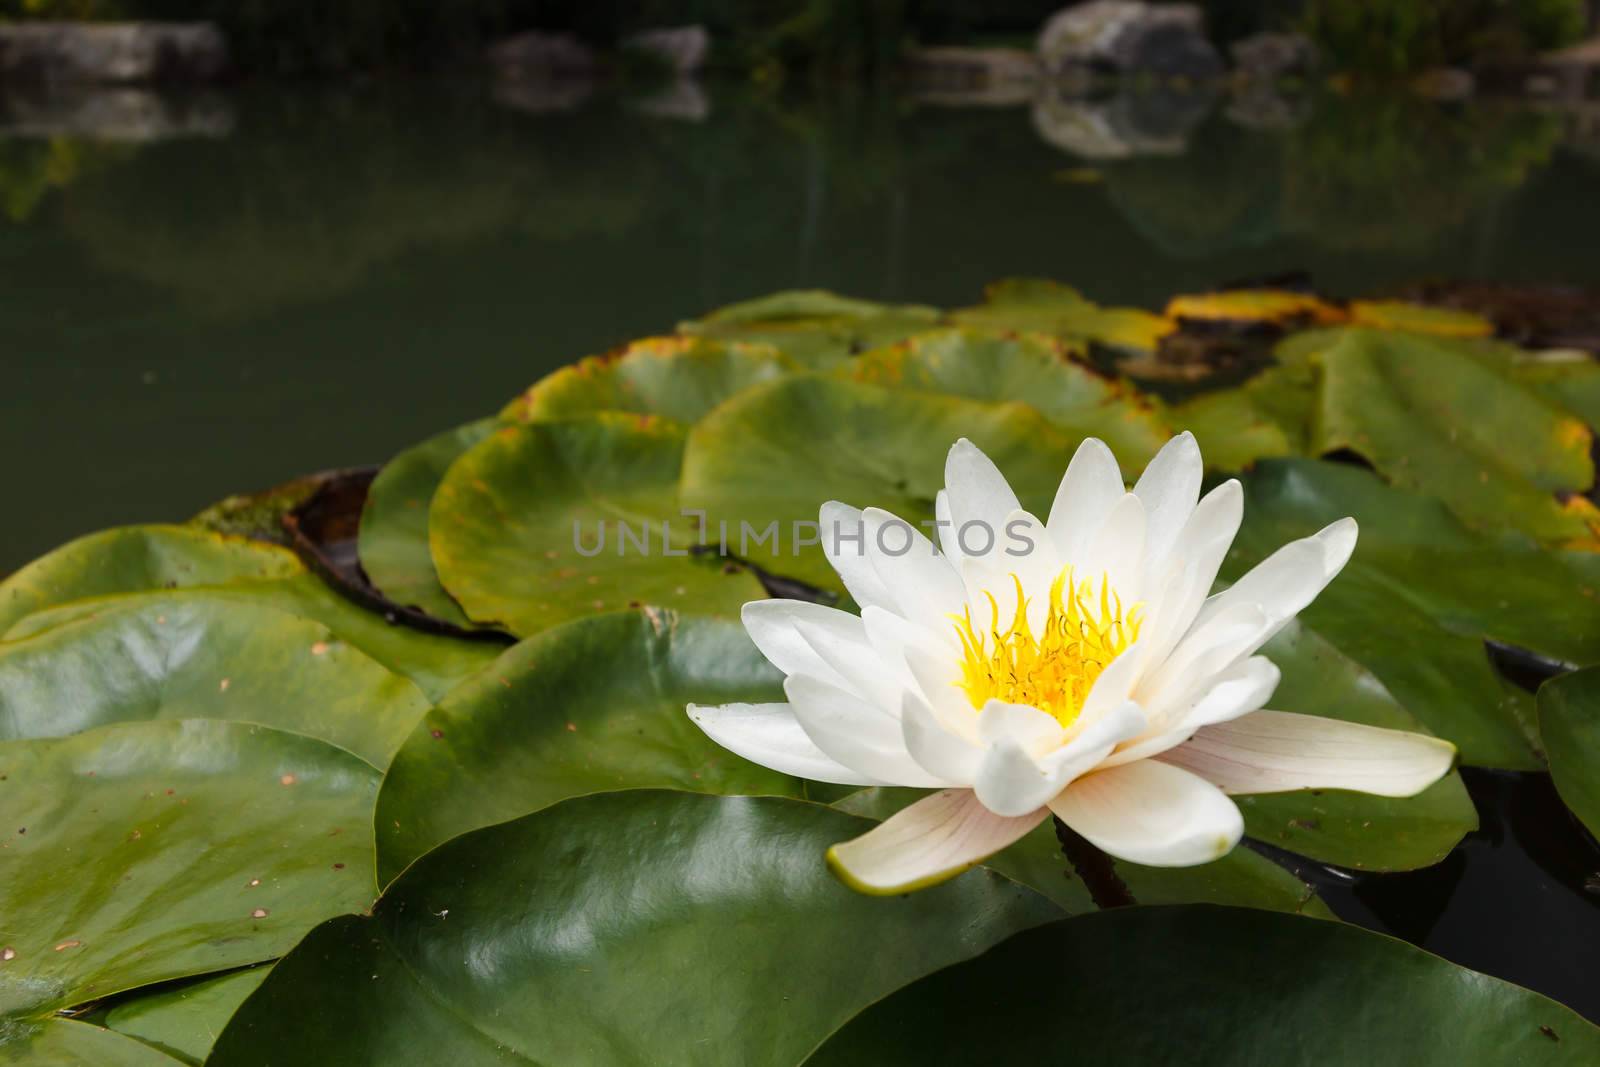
x=1169 y=487
x=862 y=736
x=891 y=635
x=978 y=492
x=1117 y=549
x=938 y=750
x=923 y=582
x=772 y=626
x=1151 y=813
x=1288 y=580
x=1022 y=723
x=1274 y=751
x=1015 y=778
x=843 y=533
x=1239 y=690
x=770 y=735
x=1115 y=684
x=933 y=840
x=1090 y=487
x=1211 y=647
x=944 y=526
x=1193 y=566
x=938 y=680
x=855 y=660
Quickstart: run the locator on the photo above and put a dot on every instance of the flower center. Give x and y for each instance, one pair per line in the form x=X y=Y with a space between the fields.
x=1054 y=669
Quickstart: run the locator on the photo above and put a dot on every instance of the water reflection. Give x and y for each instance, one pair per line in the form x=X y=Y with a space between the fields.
x=310 y=279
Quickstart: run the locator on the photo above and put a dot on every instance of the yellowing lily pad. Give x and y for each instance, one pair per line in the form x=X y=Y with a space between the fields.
x=1450 y=422
x=1253 y=305
x=393 y=542
x=814 y=328
x=138 y=557
x=1419 y=318
x=595 y=705
x=680 y=378
x=1033 y=369
x=1035 y=305
x=545 y=522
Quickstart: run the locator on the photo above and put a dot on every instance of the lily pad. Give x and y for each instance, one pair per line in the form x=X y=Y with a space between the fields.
x=636 y=927
x=141 y=852
x=394 y=522
x=188 y=656
x=594 y=705
x=436 y=663
x=814 y=328
x=1419 y=318
x=1569 y=720
x=54 y=1042
x=1034 y=369
x=1435 y=416
x=680 y=378
x=138 y=557
x=529 y=527
x=1241 y=877
x=184 y=1022
x=1276 y=306
x=1035 y=305
x=773 y=455
x=1226 y=987
x=1420 y=596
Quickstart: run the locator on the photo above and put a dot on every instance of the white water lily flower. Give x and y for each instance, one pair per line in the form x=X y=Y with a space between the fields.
x=1074 y=666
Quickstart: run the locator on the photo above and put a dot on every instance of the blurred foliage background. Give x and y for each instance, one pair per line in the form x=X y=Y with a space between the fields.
x=1383 y=37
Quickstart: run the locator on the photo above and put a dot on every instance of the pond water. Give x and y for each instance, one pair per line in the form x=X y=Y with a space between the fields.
x=215 y=294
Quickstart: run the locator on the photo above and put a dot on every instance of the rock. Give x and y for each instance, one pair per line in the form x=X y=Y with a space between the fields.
x=681 y=49
x=985 y=77
x=1127 y=37
x=112 y=52
x=1270 y=56
x=682 y=100
x=536 y=56
x=1124 y=126
x=1257 y=105
x=113 y=114
x=1444 y=83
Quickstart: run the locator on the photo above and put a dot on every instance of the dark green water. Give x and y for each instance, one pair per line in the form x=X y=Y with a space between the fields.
x=301 y=279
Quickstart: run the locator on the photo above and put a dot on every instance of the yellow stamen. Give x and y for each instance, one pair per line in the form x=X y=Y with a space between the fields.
x=1054 y=669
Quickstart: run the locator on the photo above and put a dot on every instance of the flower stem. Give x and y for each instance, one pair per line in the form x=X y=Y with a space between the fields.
x=1106 y=887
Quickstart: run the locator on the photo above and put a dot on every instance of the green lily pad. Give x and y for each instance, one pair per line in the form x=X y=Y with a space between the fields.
x=1438 y=416
x=773 y=455
x=437 y=664
x=1225 y=987
x=1420 y=596
x=1573 y=383
x=393 y=542
x=1241 y=877
x=1034 y=305
x=183 y=656
x=55 y=1042
x=636 y=927
x=141 y=852
x=528 y=528
x=680 y=378
x=138 y=557
x=815 y=329
x=594 y=705
x=1033 y=369
x=185 y=1022
x=1569 y=719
